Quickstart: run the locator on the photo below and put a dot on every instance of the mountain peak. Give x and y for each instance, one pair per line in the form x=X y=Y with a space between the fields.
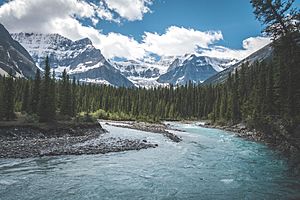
x=80 y=58
x=84 y=41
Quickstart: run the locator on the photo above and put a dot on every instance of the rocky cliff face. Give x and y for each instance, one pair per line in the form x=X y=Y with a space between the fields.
x=14 y=59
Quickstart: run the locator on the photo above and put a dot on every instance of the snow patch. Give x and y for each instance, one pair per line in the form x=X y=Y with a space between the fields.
x=83 y=68
x=96 y=81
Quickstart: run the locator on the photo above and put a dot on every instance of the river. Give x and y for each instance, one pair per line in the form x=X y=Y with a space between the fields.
x=207 y=164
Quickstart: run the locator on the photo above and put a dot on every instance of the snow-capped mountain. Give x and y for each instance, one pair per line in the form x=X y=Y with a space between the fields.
x=194 y=68
x=144 y=72
x=171 y=69
x=14 y=58
x=264 y=53
x=134 y=68
x=80 y=58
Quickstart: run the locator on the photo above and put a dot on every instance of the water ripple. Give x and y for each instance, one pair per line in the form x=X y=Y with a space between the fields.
x=207 y=164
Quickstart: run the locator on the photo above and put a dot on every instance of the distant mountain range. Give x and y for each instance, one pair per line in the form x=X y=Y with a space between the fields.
x=86 y=63
x=193 y=68
x=82 y=60
x=144 y=72
x=172 y=69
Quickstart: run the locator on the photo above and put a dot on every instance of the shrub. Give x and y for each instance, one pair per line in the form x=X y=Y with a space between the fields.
x=31 y=118
x=85 y=117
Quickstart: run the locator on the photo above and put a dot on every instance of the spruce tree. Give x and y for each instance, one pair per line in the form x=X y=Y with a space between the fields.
x=74 y=98
x=46 y=104
x=2 y=84
x=270 y=97
x=278 y=16
x=66 y=99
x=52 y=102
x=35 y=93
x=25 y=99
x=235 y=99
x=8 y=98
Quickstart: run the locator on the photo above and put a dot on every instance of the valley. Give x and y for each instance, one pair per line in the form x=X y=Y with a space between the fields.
x=149 y=99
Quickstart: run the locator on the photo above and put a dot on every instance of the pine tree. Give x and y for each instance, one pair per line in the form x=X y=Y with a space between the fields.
x=235 y=99
x=74 y=98
x=278 y=16
x=25 y=100
x=35 y=92
x=52 y=102
x=8 y=98
x=2 y=84
x=46 y=104
x=66 y=99
x=270 y=97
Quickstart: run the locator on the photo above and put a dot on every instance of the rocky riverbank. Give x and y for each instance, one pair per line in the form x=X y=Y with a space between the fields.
x=280 y=140
x=143 y=126
x=22 y=141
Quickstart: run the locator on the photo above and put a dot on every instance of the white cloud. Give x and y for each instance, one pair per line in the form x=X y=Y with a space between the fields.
x=254 y=43
x=179 y=40
x=104 y=13
x=35 y=15
x=250 y=45
x=61 y=16
x=118 y=45
x=130 y=9
x=64 y=17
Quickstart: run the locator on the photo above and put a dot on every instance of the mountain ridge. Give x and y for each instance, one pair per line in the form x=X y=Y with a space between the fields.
x=264 y=53
x=85 y=62
x=14 y=58
x=80 y=58
x=193 y=68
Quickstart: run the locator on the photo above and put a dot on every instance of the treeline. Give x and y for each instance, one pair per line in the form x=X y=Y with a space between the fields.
x=264 y=90
x=44 y=97
x=51 y=99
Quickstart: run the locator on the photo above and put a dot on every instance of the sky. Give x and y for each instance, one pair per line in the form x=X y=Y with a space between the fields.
x=136 y=29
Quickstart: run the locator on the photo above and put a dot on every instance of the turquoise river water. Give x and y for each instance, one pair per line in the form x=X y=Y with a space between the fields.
x=207 y=164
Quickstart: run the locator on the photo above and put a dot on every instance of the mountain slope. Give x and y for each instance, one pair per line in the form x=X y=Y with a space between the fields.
x=194 y=68
x=14 y=58
x=264 y=53
x=80 y=58
x=103 y=74
x=144 y=72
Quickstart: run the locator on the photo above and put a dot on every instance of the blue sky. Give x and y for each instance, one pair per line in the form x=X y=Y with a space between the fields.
x=136 y=29
x=233 y=17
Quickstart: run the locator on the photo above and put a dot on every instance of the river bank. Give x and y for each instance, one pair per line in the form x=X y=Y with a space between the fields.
x=22 y=141
x=207 y=164
x=159 y=128
x=287 y=146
